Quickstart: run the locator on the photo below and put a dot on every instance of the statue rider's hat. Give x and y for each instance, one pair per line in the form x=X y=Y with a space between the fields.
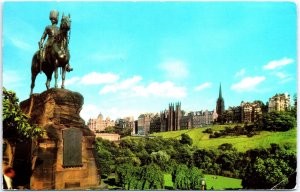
x=53 y=15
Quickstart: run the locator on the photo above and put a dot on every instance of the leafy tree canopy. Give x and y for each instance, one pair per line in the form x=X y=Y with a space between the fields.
x=278 y=121
x=16 y=125
x=186 y=139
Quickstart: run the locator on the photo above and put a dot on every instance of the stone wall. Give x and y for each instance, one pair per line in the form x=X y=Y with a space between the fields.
x=57 y=110
x=109 y=136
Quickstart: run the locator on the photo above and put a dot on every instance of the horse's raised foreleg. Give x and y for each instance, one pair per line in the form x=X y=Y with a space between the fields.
x=63 y=76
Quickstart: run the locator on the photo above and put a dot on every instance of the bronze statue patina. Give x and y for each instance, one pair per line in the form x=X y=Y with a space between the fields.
x=55 y=53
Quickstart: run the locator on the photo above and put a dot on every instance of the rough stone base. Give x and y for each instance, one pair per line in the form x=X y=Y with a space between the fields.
x=57 y=110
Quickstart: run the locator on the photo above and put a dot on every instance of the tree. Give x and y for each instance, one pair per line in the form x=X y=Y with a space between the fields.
x=161 y=158
x=266 y=173
x=208 y=130
x=109 y=129
x=154 y=144
x=226 y=161
x=125 y=155
x=186 y=139
x=183 y=155
x=195 y=178
x=226 y=146
x=278 y=121
x=125 y=132
x=152 y=177
x=264 y=107
x=294 y=107
x=270 y=168
x=105 y=160
x=16 y=125
x=206 y=160
x=180 y=177
x=126 y=175
x=187 y=179
x=144 y=157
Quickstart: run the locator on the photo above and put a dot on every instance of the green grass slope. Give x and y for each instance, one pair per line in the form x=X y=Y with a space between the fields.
x=241 y=143
x=220 y=182
x=212 y=181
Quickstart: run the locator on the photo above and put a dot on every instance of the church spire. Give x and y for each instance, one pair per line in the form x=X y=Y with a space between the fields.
x=220 y=108
x=220 y=91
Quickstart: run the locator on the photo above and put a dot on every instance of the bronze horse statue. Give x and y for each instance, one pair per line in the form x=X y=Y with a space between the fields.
x=57 y=56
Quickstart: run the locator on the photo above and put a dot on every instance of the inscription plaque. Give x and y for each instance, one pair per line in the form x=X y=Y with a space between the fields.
x=72 y=150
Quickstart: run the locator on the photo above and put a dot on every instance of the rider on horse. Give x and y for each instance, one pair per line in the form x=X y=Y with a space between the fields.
x=52 y=31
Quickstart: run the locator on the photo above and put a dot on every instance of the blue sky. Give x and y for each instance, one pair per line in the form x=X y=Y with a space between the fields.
x=130 y=58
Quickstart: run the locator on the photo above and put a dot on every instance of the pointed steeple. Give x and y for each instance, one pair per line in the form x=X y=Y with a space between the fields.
x=220 y=91
x=220 y=108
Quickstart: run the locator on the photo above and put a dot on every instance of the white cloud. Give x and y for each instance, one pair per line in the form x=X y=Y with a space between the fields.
x=95 y=78
x=21 y=44
x=126 y=84
x=248 y=83
x=278 y=63
x=203 y=86
x=71 y=81
x=89 y=111
x=175 y=68
x=280 y=75
x=164 y=89
x=286 y=80
x=10 y=77
x=129 y=82
x=116 y=112
x=240 y=73
x=130 y=88
x=92 y=111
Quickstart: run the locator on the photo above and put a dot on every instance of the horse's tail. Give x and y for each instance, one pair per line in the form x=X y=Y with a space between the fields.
x=35 y=68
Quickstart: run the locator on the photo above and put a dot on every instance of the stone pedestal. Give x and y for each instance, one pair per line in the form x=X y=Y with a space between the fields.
x=64 y=157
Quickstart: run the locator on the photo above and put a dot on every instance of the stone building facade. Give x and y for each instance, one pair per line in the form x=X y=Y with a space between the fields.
x=247 y=112
x=234 y=114
x=171 y=119
x=279 y=102
x=250 y=112
x=186 y=121
x=144 y=123
x=126 y=122
x=100 y=124
x=200 y=118
x=155 y=124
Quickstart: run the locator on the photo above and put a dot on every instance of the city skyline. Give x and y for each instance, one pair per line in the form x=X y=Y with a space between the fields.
x=132 y=58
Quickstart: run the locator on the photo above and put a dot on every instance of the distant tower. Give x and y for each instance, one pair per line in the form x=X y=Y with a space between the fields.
x=220 y=105
x=163 y=121
x=171 y=117
x=178 y=116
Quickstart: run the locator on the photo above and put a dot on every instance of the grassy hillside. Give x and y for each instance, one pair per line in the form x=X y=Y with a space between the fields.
x=242 y=143
x=220 y=182
x=212 y=181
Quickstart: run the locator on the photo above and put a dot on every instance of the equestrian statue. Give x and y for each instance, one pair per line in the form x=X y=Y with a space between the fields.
x=55 y=52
